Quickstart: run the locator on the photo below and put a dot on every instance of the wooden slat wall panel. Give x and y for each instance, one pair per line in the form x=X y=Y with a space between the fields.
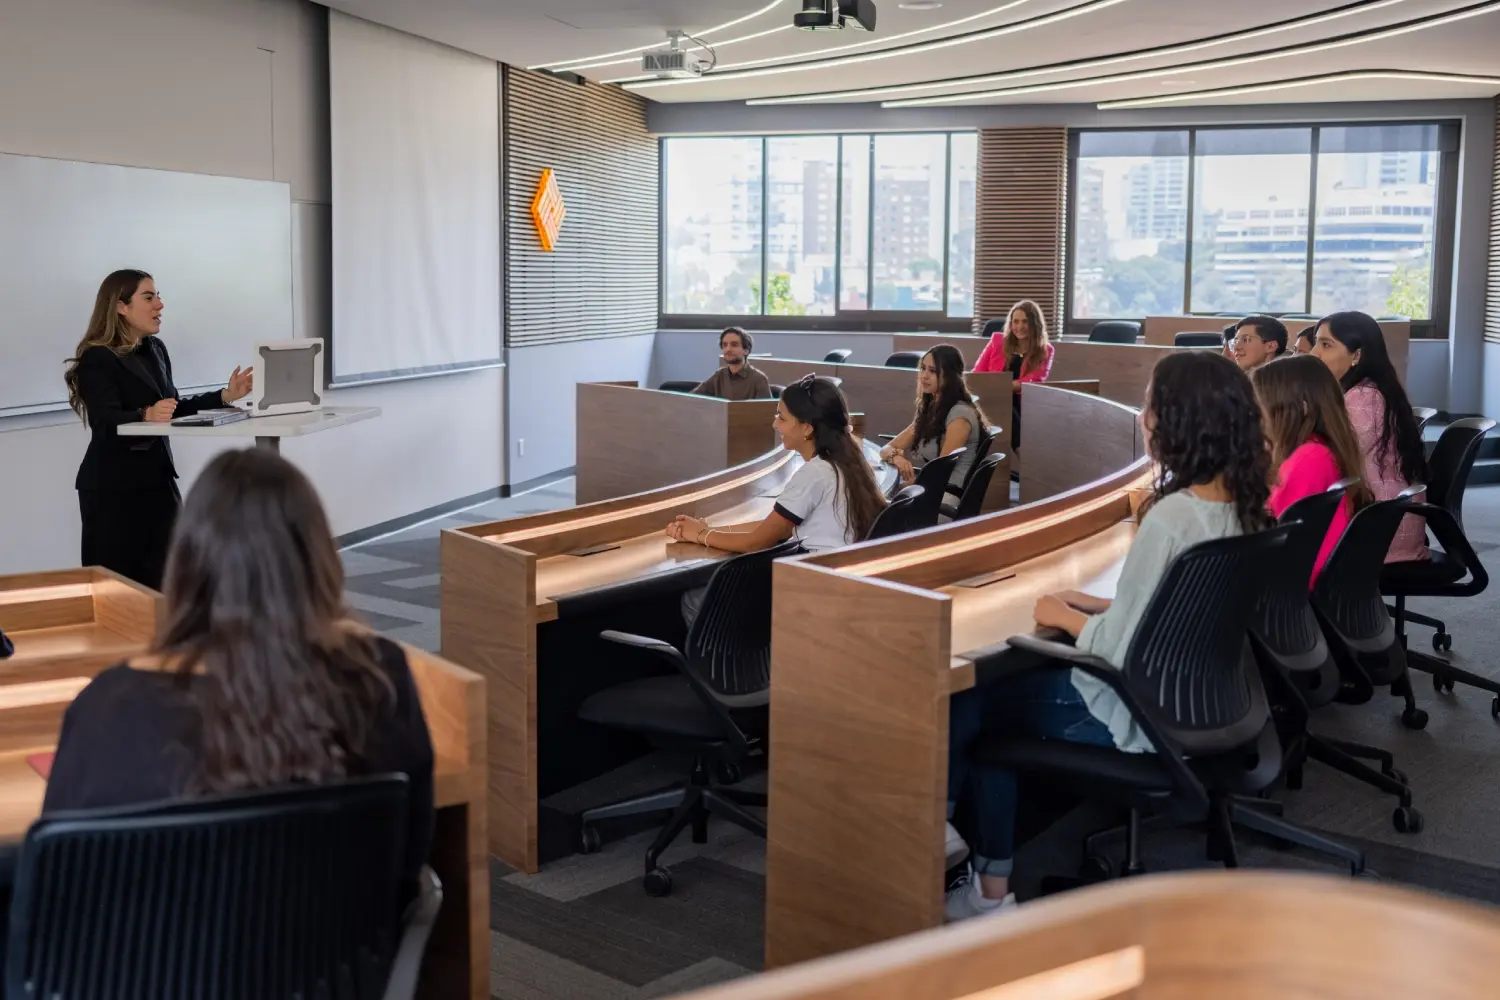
x=1018 y=242
x=1492 y=292
x=601 y=280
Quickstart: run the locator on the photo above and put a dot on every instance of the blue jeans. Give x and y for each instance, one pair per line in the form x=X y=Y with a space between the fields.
x=1039 y=704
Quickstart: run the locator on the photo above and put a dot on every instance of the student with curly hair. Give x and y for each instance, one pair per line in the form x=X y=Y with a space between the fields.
x=1203 y=428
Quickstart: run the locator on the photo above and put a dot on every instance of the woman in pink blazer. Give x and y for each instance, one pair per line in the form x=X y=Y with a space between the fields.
x=1023 y=349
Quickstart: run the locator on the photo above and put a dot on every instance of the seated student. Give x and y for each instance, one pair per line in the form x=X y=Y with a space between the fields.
x=1312 y=442
x=1305 y=340
x=1352 y=345
x=947 y=418
x=1022 y=348
x=1258 y=339
x=831 y=501
x=1203 y=429
x=256 y=680
x=738 y=379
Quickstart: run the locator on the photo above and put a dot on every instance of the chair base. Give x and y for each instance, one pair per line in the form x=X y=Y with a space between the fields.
x=1445 y=675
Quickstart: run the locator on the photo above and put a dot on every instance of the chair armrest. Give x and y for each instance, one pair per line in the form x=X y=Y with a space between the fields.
x=421 y=914
x=658 y=646
x=673 y=655
x=1446 y=529
x=948 y=510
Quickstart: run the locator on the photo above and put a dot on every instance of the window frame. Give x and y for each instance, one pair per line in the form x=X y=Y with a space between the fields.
x=867 y=320
x=1436 y=326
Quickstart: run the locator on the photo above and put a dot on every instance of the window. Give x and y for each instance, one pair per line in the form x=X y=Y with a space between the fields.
x=1194 y=220
x=713 y=226
x=820 y=225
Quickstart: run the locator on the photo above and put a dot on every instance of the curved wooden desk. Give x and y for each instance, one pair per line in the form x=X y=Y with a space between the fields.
x=69 y=625
x=1220 y=935
x=525 y=590
x=869 y=643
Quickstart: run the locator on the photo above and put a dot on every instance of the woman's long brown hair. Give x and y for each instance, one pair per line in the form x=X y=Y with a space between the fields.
x=107 y=328
x=1037 y=354
x=1300 y=399
x=256 y=628
x=818 y=402
x=932 y=408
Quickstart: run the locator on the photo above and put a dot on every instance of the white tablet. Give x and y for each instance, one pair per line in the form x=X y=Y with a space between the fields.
x=288 y=377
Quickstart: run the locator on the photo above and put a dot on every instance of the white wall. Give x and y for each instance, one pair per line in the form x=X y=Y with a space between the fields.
x=237 y=88
x=1427 y=374
x=543 y=400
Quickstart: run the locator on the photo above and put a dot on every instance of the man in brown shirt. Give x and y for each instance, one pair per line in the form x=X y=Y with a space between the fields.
x=738 y=379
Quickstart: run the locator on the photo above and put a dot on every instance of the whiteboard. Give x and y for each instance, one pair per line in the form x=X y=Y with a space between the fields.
x=220 y=249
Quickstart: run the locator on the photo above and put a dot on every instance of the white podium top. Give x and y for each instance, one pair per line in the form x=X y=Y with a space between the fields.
x=278 y=426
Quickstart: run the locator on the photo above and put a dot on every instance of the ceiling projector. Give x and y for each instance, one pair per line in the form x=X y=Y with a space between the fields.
x=675 y=62
x=828 y=15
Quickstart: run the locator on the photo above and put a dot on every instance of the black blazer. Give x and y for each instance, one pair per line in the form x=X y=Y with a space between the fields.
x=114 y=391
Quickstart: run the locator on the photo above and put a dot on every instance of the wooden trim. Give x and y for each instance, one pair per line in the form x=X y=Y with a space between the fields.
x=126 y=607
x=1018 y=240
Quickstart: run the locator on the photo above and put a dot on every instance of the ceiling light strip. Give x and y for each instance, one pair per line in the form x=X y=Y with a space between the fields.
x=1161 y=51
x=1308 y=81
x=1310 y=48
x=917 y=48
x=570 y=64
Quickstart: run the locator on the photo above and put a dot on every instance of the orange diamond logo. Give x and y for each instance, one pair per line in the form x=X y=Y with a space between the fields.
x=548 y=210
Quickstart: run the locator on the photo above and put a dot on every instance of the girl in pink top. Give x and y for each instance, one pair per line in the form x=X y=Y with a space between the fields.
x=1353 y=347
x=1023 y=340
x=1312 y=442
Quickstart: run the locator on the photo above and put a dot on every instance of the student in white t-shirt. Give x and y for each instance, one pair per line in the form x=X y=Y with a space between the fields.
x=832 y=500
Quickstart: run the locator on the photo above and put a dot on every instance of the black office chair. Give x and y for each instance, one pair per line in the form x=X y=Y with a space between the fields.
x=892 y=520
x=1191 y=684
x=838 y=356
x=1454 y=570
x=978 y=485
x=712 y=705
x=933 y=478
x=1423 y=416
x=1299 y=668
x=1115 y=332
x=1287 y=316
x=677 y=386
x=6 y=647
x=992 y=327
x=905 y=359
x=283 y=894
x=1199 y=338
x=777 y=390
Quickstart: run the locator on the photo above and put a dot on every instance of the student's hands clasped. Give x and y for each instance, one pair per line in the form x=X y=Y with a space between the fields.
x=1053 y=612
x=687 y=529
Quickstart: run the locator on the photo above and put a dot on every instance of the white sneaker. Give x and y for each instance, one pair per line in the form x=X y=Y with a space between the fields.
x=966 y=900
x=955 y=846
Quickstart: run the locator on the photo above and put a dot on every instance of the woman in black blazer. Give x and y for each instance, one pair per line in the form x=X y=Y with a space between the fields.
x=120 y=374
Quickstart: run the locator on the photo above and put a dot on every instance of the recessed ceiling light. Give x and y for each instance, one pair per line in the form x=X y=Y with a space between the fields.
x=920 y=5
x=1310 y=81
x=1176 y=83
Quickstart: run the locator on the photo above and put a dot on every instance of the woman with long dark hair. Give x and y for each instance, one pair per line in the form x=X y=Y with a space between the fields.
x=1203 y=429
x=947 y=418
x=1313 y=445
x=1352 y=345
x=257 y=678
x=120 y=373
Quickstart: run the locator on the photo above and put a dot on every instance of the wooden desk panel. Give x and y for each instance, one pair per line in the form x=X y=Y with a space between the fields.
x=1122 y=370
x=968 y=345
x=1059 y=455
x=622 y=447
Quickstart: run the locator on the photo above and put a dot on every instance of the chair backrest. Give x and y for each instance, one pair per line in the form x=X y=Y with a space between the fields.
x=892 y=520
x=905 y=359
x=839 y=355
x=1347 y=597
x=986 y=444
x=1189 y=660
x=266 y=896
x=1283 y=622
x=1423 y=415
x=994 y=326
x=933 y=478
x=677 y=386
x=777 y=390
x=978 y=486
x=1199 y=338
x=729 y=644
x=6 y=647
x=1115 y=331
x=1287 y=316
x=1451 y=462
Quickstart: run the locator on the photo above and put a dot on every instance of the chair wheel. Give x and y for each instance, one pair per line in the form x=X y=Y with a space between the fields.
x=1441 y=684
x=728 y=772
x=658 y=882
x=1495 y=709
x=1406 y=819
x=589 y=841
x=1441 y=642
x=1096 y=868
x=1414 y=718
x=1395 y=774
